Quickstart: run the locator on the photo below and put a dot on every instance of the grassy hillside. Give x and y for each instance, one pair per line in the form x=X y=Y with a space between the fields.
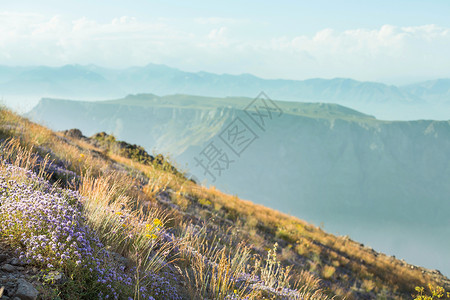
x=313 y=110
x=143 y=230
x=381 y=182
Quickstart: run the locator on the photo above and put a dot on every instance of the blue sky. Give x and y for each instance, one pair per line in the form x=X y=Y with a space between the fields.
x=311 y=16
x=396 y=42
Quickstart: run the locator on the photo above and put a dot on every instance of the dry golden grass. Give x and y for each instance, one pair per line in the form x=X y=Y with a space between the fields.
x=130 y=232
x=328 y=271
x=215 y=280
x=312 y=239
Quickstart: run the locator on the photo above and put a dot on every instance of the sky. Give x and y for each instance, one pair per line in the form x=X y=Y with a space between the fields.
x=393 y=42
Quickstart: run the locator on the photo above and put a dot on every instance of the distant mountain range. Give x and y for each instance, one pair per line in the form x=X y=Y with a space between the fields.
x=417 y=101
x=383 y=183
x=433 y=90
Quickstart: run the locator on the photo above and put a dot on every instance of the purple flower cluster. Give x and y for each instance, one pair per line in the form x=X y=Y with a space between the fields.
x=255 y=283
x=160 y=287
x=57 y=169
x=47 y=225
x=60 y=172
x=281 y=293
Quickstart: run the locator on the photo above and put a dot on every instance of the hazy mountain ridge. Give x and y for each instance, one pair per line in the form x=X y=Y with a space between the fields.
x=67 y=80
x=328 y=163
x=433 y=90
x=93 y=81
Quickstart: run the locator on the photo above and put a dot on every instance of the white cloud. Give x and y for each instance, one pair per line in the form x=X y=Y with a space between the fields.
x=218 y=33
x=226 y=45
x=218 y=21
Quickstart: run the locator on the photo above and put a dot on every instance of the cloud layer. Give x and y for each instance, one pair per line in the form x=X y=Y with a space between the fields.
x=226 y=46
